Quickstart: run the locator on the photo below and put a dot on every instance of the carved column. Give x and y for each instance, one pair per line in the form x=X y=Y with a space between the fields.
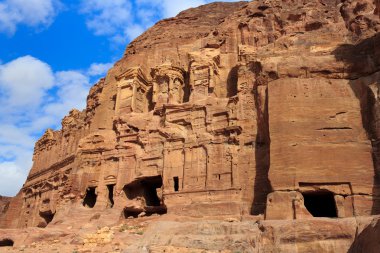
x=204 y=74
x=132 y=92
x=168 y=85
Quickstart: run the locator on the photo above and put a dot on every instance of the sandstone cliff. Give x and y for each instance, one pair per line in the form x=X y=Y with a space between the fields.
x=4 y=204
x=248 y=109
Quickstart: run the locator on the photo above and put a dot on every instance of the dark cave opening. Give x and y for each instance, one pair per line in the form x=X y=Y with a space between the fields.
x=48 y=217
x=146 y=190
x=90 y=198
x=320 y=204
x=232 y=81
x=131 y=212
x=150 y=193
x=6 y=243
x=110 y=188
x=176 y=184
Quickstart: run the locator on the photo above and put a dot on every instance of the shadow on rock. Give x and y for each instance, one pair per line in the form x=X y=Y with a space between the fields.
x=368 y=240
x=362 y=69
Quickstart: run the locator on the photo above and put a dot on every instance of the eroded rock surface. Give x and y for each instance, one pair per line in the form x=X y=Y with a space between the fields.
x=4 y=204
x=249 y=109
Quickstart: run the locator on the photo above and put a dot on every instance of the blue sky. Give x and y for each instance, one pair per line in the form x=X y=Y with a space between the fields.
x=51 y=53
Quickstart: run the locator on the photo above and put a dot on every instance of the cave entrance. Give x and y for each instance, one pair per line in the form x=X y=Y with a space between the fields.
x=145 y=191
x=6 y=243
x=110 y=188
x=176 y=184
x=320 y=204
x=48 y=217
x=150 y=186
x=90 y=198
x=232 y=81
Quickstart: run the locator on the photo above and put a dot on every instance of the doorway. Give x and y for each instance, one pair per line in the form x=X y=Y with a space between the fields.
x=320 y=203
x=90 y=198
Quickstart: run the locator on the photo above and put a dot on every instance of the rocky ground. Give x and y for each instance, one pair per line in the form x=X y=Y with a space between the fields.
x=202 y=234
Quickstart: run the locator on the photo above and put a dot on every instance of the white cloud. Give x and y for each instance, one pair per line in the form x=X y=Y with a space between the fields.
x=107 y=17
x=14 y=136
x=72 y=91
x=34 y=98
x=173 y=7
x=99 y=69
x=25 y=81
x=12 y=178
x=133 y=31
x=32 y=13
x=15 y=158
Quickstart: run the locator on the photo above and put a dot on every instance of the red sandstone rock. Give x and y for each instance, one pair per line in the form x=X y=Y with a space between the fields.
x=227 y=110
x=4 y=204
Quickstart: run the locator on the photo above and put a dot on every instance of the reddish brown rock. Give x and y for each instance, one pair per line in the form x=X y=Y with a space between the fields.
x=368 y=238
x=228 y=111
x=4 y=204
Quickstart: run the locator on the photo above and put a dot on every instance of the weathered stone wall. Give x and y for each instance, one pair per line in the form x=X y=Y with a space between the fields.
x=4 y=204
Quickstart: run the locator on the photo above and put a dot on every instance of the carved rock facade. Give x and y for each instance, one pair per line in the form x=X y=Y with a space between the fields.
x=266 y=107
